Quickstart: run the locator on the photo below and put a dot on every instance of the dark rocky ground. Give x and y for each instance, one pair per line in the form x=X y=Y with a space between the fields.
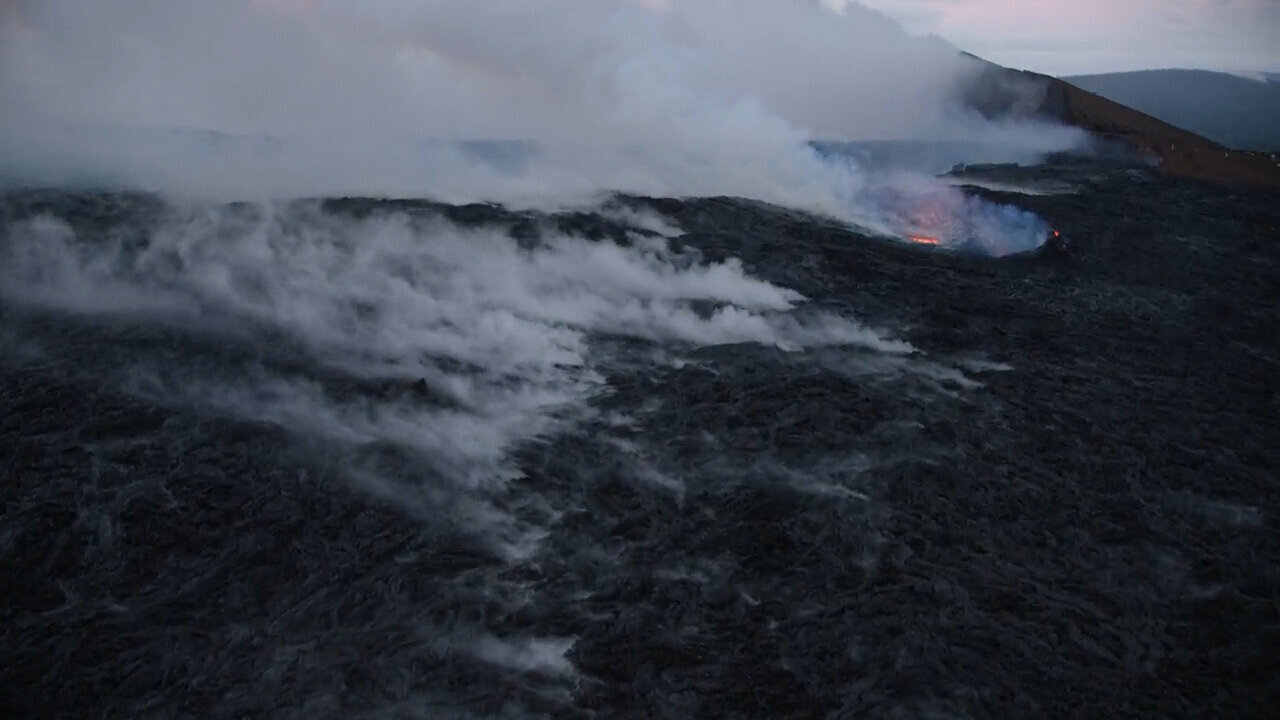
x=1091 y=533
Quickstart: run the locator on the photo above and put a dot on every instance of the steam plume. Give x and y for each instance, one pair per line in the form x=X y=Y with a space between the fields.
x=233 y=98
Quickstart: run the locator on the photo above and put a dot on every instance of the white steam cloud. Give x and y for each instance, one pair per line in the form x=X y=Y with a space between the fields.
x=484 y=342
x=234 y=98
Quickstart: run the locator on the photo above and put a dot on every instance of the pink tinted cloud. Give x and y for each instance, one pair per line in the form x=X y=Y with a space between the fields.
x=1071 y=36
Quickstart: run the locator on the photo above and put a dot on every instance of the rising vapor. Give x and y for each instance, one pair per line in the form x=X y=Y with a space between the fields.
x=550 y=100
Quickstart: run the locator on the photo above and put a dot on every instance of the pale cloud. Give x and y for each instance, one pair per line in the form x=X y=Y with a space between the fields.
x=720 y=94
x=1077 y=36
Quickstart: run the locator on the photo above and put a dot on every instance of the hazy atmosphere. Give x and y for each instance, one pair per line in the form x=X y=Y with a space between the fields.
x=700 y=97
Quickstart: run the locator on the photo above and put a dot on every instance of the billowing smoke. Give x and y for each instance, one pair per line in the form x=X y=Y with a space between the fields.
x=501 y=100
x=446 y=343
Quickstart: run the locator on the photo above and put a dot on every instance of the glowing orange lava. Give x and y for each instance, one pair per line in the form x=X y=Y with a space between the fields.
x=923 y=240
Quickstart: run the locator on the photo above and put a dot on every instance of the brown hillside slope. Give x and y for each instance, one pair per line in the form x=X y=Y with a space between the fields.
x=1001 y=92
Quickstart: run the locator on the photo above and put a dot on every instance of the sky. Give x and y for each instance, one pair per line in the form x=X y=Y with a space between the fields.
x=1070 y=37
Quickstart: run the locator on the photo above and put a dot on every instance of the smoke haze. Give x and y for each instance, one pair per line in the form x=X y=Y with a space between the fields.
x=485 y=343
x=235 y=98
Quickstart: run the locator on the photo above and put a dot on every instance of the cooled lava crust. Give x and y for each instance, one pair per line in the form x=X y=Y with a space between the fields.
x=1090 y=532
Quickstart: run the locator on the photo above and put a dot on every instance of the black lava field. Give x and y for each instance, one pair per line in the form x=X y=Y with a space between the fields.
x=650 y=458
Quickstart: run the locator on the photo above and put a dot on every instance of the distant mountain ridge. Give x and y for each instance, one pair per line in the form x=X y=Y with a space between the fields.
x=1241 y=112
x=999 y=93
